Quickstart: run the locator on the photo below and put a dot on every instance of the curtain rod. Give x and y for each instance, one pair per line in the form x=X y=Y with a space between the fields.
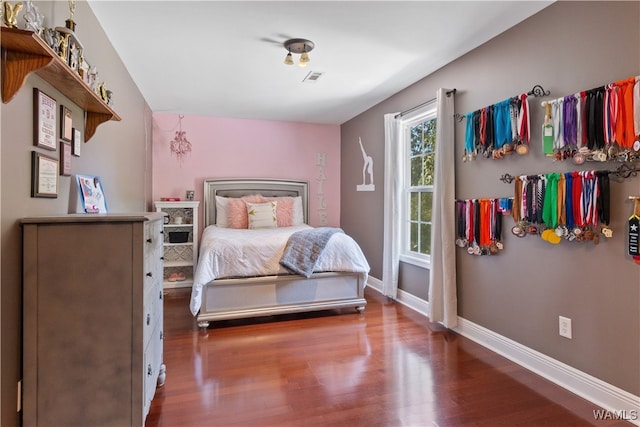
x=449 y=93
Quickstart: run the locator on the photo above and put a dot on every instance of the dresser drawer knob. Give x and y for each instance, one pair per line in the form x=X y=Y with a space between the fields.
x=148 y=319
x=149 y=274
x=160 y=296
x=149 y=240
x=149 y=370
x=161 y=336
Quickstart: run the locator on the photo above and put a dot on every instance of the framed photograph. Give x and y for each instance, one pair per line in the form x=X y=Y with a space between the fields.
x=77 y=142
x=44 y=176
x=44 y=120
x=65 y=158
x=66 y=124
x=91 y=194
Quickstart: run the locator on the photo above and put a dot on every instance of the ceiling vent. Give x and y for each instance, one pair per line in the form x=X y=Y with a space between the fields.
x=312 y=77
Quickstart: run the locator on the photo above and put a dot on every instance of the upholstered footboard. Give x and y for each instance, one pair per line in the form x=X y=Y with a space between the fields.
x=263 y=296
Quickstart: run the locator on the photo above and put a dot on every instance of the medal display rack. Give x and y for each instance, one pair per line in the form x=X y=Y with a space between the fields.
x=479 y=224
x=593 y=125
x=622 y=172
x=573 y=206
x=501 y=129
x=537 y=91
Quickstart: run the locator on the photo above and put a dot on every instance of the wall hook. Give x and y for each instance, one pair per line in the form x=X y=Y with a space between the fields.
x=507 y=179
x=538 y=91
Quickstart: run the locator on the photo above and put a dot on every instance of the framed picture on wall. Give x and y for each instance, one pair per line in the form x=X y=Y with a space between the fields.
x=44 y=120
x=77 y=142
x=44 y=175
x=91 y=194
x=65 y=158
x=66 y=124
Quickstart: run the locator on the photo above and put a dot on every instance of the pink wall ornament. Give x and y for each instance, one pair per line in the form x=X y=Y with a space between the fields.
x=321 y=162
x=180 y=145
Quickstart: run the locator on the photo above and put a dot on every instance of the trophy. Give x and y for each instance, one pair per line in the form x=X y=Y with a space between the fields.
x=69 y=47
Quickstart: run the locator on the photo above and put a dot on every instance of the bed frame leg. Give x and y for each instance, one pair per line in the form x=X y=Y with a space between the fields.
x=360 y=308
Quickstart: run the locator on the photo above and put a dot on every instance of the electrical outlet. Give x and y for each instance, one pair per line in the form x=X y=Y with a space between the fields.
x=565 y=327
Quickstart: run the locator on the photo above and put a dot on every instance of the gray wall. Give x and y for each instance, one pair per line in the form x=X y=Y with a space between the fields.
x=118 y=153
x=520 y=293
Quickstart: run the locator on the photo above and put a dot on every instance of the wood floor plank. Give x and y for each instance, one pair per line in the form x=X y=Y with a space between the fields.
x=386 y=367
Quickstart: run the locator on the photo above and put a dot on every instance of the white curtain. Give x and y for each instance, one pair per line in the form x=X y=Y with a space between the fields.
x=443 y=300
x=392 y=204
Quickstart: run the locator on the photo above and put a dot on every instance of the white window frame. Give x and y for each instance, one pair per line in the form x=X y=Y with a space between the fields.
x=427 y=112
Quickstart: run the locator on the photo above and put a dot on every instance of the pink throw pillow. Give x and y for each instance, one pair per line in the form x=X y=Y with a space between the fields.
x=237 y=210
x=284 y=210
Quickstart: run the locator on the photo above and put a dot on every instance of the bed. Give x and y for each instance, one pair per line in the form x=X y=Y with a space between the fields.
x=262 y=286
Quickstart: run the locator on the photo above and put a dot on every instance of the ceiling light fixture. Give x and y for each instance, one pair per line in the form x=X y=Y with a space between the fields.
x=299 y=46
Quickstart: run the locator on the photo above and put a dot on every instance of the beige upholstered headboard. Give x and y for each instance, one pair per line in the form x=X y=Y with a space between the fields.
x=238 y=187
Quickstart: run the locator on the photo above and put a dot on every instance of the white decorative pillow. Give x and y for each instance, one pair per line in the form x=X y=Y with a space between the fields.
x=221 y=211
x=298 y=213
x=262 y=215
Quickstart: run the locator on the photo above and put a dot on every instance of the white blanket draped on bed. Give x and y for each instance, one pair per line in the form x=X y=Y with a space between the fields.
x=227 y=252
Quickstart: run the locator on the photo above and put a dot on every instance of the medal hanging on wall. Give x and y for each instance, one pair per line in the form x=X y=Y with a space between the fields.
x=461 y=209
x=634 y=232
x=479 y=226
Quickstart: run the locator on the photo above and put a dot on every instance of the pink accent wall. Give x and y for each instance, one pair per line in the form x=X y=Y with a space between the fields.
x=240 y=148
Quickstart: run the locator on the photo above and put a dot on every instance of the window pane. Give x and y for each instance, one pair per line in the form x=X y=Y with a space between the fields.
x=425 y=238
x=416 y=171
x=427 y=169
x=429 y=136
x=425 y=206
x=416 y=139
x=415 y=206
x=413 y=243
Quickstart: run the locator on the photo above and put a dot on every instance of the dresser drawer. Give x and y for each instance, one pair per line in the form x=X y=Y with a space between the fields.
x=152 y=311
x=152 y=366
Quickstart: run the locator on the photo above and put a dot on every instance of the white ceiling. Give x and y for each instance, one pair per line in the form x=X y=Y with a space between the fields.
x=225 y=58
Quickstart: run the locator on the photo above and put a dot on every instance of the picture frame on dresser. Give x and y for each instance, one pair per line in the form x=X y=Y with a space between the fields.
x=91 y=194
x=44 y=175
x=44 y=120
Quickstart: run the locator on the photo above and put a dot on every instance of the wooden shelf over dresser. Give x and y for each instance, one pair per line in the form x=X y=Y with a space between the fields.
x=24 y=52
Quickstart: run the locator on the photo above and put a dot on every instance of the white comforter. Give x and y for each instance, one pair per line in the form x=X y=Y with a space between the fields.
x=227 y=252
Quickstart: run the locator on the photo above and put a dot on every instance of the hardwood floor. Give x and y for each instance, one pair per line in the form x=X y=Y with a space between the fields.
x=386 y=367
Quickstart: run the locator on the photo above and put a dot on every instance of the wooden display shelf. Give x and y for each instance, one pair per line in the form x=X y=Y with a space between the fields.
x=24 y=52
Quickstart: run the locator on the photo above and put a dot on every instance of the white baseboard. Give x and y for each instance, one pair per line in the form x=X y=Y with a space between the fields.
x=374 y=283
x=405 y=298
x=584 y=385
x=600 y=393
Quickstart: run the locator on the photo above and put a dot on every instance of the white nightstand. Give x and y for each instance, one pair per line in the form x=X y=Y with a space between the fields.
x=180 y=242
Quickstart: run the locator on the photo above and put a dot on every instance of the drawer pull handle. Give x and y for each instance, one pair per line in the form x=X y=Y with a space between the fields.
x=149 y=274
x=148 y=319
x=160 y=294
x=149 y=240
x=161 y=336
x=161 y=231
x=149 y=370
x=161 y=258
